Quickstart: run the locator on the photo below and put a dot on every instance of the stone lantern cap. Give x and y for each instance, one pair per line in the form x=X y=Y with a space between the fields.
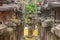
x=47 y=23
x=7 y=1
x=48 y=4
x=38 y=12
x=10 y=24
x=9 y=7
x=54 y=4
x=30 y=16
x=49 y=20
x=40 y=19
x=9 y=31
x=2 y=28
x=30 y=23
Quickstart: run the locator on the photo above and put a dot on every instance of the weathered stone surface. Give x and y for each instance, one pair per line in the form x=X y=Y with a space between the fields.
x=48 y=4
x=9 y=34
x=6 y=33
x=54 y=4
x=56 y=30
x=9 y=30
x=2 y=29
x=9 y=7
x=47 y=23
x=11 y=24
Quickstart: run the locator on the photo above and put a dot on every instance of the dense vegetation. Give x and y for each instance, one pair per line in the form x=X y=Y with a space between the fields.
x=29 y=8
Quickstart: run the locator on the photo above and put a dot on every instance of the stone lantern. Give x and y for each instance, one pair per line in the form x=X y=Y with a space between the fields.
x=30 y=29
x=31 y=25
x=9 y=34
x=38 y=22
x=6 y=33
x=20 y=25
x=52 y=8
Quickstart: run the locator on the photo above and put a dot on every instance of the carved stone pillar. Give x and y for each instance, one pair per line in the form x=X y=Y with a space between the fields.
x=9 y=35
x=30 y=29
x=6 y=33
x=20 y=30
x=31 y=25
x=11 y=25
x=2 y=31
x=39 y=19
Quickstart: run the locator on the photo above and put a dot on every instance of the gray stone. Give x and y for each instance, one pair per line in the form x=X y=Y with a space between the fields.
x=56 y=30
x=47 y=23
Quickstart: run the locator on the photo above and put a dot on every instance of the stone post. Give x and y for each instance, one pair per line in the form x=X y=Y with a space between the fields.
x=9 y=35
x=38 y=19
x=20 y=27
x=31 y=25
x=6 y=33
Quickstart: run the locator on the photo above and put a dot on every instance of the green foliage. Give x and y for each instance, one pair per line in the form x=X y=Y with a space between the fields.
x=29 y=8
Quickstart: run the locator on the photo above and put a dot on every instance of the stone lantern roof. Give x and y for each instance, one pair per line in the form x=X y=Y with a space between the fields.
x=6 y=1
x=8 y=5
x=48 y=4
